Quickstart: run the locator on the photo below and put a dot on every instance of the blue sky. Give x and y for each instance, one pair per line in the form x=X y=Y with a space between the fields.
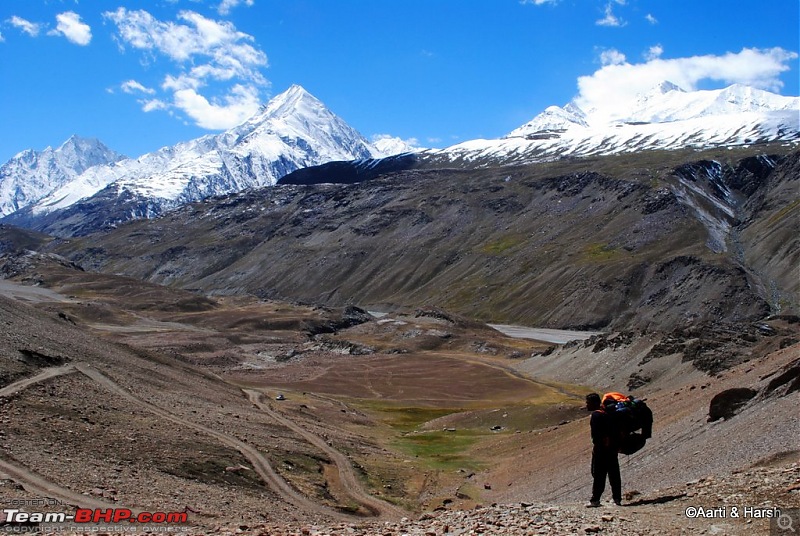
x=140 y=75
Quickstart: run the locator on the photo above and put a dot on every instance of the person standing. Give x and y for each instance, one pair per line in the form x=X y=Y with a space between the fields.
x=605 y=449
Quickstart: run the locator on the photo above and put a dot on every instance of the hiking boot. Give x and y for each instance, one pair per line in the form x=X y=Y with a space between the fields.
x=618 y=502
x=593 y=504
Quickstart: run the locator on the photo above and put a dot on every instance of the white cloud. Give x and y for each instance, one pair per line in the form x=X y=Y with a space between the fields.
x=70 y=26
x=225 y=7
x=132 y=86
x=538 y=2
x=217 y=40
x=182 y=81
x=616 y=84
x=153 y=104
x=30 y=28
x=610 y=19
x=206 y=51
x=612 y=57
x=238 y=105
x=1 y=37
x=654 y=52
x=651 y=19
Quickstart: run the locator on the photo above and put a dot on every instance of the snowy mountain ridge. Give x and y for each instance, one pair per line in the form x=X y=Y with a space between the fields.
x=31 y=175
x=295 y=130
x=667 y=102
x=292 y=131
x=666 y=117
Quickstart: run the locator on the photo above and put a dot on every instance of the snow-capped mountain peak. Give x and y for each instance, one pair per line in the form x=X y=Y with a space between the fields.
x=385 y=145
x=297 y=115
x=665 y=87
x=293 y=130
x=294 y=100
x=664 y=103
x=674 y=104
x=79 y=154
x=32 y=175
x=553 y=119
x=665 y=117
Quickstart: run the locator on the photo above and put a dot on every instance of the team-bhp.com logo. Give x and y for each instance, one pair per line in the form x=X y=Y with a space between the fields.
x=97 y=515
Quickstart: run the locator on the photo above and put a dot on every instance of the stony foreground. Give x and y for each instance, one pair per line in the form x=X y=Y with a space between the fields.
x=663 y=513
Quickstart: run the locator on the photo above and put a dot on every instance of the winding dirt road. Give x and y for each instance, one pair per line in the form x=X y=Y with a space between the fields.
x=38 y=485
x=41 y=486
x=260 y=464
x=347 y=476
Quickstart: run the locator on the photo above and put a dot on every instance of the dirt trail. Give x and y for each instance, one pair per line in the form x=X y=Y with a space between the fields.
x=50 y=372
x=347 y=476
x=27 y=293
x=37 y=485
x=32 y=482
x=260 y=464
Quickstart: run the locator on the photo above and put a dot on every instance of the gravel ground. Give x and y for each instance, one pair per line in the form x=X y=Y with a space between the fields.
x=763 y=487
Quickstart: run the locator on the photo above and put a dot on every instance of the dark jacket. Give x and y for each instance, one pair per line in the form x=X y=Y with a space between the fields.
x=605 y=434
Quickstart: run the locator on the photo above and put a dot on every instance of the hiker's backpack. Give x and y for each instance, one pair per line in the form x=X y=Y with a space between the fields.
x=630 y=415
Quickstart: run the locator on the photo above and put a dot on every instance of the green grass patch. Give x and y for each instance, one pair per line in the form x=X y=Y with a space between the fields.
x=402 y=418
x=447 y=451
x=500 y=246
x=600 y=252
x=438 y=450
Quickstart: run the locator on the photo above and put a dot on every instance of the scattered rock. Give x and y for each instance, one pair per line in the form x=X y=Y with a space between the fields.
x=637 y=380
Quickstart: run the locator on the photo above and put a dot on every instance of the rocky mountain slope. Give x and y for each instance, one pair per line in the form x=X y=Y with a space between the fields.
x=33 y=175
x=294 y=130
x=651 y=241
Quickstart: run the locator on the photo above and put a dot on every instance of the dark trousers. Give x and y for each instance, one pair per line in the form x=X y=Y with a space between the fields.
x=605 y=463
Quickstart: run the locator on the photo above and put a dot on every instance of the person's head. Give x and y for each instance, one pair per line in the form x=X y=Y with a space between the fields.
x=592 y=402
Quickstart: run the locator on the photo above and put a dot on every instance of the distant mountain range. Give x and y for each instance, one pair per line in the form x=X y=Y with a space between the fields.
x=83 y=186
x=294 y=130
x=33 y=175
x=666 y=117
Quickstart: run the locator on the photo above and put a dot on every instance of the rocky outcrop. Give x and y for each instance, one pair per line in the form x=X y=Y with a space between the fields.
x=729 y=402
